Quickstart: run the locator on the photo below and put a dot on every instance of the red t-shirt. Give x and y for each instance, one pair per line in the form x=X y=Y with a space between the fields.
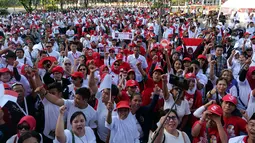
x=147 y=93
x=203 y=138
x=234 y=125
x=194 y=104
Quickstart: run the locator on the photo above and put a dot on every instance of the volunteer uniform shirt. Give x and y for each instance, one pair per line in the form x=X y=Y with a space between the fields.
x=73 y=56
x=89 y=112
x=102 y=112
x=89 y=137
x=182 y=109
x=234 y=125
x=203 y=135
x=239 y=139
x=51 y=112
x=133 y=61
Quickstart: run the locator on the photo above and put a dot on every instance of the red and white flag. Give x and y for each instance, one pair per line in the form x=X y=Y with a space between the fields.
x=191 y=44
x=7 y=95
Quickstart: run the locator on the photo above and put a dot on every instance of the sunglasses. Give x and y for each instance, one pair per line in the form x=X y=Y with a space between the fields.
x=116 y=64
x=74 y=78
x=133 y=87
x=67 y=64
x=82 y=69
x=20 y=127
x=171 y=118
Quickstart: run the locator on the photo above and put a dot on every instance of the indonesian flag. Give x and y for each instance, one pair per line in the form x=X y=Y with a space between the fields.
x=7 y=95
x=191 y=45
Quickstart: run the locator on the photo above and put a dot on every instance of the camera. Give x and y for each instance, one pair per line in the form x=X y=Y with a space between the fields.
x=179 y=81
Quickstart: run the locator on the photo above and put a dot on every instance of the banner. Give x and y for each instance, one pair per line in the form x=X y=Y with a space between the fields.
x=123 y=35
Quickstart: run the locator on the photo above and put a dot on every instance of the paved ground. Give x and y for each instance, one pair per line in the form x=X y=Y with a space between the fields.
x=19 y=9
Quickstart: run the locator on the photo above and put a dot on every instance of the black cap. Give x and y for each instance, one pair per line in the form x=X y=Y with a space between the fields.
x=10 y=54
x=252 y=117
x=114 y=90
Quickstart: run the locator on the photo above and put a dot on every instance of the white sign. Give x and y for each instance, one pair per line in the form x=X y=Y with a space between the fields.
x=123 y=35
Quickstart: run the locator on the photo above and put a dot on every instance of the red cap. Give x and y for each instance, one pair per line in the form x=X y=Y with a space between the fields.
x=187 y=59
x=89 y=62
x=131 y=70
x=151 y=28
x=170 y=35
x=253 y=37
x=190 y=75
x=119 y=57
x=202 y=57
x=246 y=33
x=123 y=104
x=131 y=44
x=77 y=74
x=4 y=70
x=178 y=49
x=158 y=68
x=58 y=69
x=131 y=83
x=215 y=109
x=230 y=98
x=6 y=86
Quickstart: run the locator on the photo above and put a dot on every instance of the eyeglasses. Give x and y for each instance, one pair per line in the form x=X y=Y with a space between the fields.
x=74 y=78
x=48 y=46
x=171 y=118
x=20 y=127
x=82 y=69
x=133 y=87
x=67 y=64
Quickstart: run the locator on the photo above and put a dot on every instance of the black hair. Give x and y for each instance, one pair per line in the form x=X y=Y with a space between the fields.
x=75 y=114
x=220 y=79
x=219 y=46
x=114 y=90
x=195 y=62
x=28 y=135
x=173 y=111
x=84 y=93
x=56 y=85
x=19 y=49
x=43 y=52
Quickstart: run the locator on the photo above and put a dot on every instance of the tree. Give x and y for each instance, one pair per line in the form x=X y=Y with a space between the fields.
x=27 y=4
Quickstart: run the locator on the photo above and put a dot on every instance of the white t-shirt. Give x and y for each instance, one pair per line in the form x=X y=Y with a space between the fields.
x=89 y=137
x=73 y=56
x=28 y=61
x=238 y=139
x=31 y=55
x=89 y=112
x=102 y=112
x=12 y=139
x=123 y=131
x=54 y=54
x=182 y=109
x=51 y=112
x=169 y=138
x=133 y=61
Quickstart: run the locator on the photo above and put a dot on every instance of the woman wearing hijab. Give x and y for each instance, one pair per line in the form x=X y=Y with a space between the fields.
x=79 y=132
x=123 y=127
x=27 y=123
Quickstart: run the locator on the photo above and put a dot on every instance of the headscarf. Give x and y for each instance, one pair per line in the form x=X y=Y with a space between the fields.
x=249 y=77
x=98 y=61
x=30 y=120
x=116 y=71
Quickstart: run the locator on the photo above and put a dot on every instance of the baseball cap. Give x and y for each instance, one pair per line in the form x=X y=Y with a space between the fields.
x=215 y=109
x=122 y=104
x=119 y=57
x=230 y=98
x=58 y=69
x=77 y=74
x=201 y=57
x=158 y=68
x=190 y=75
x=187 y=59
x=131 y=83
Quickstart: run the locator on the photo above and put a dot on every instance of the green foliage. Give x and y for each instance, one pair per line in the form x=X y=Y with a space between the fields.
x=158 y=5
x=3 y=11
x=51 y=7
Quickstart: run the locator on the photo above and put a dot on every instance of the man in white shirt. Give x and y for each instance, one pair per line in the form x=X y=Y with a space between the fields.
x=21 y=58
x=51 y=52
x=73 y=54
x=80 y=103
x=30 y=52
x=134 y=59
x=250 y=130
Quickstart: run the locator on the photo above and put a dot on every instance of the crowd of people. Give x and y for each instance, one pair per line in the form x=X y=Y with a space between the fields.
x=80 y=79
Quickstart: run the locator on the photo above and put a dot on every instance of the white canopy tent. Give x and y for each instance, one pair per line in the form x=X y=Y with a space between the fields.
x=242 y=6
